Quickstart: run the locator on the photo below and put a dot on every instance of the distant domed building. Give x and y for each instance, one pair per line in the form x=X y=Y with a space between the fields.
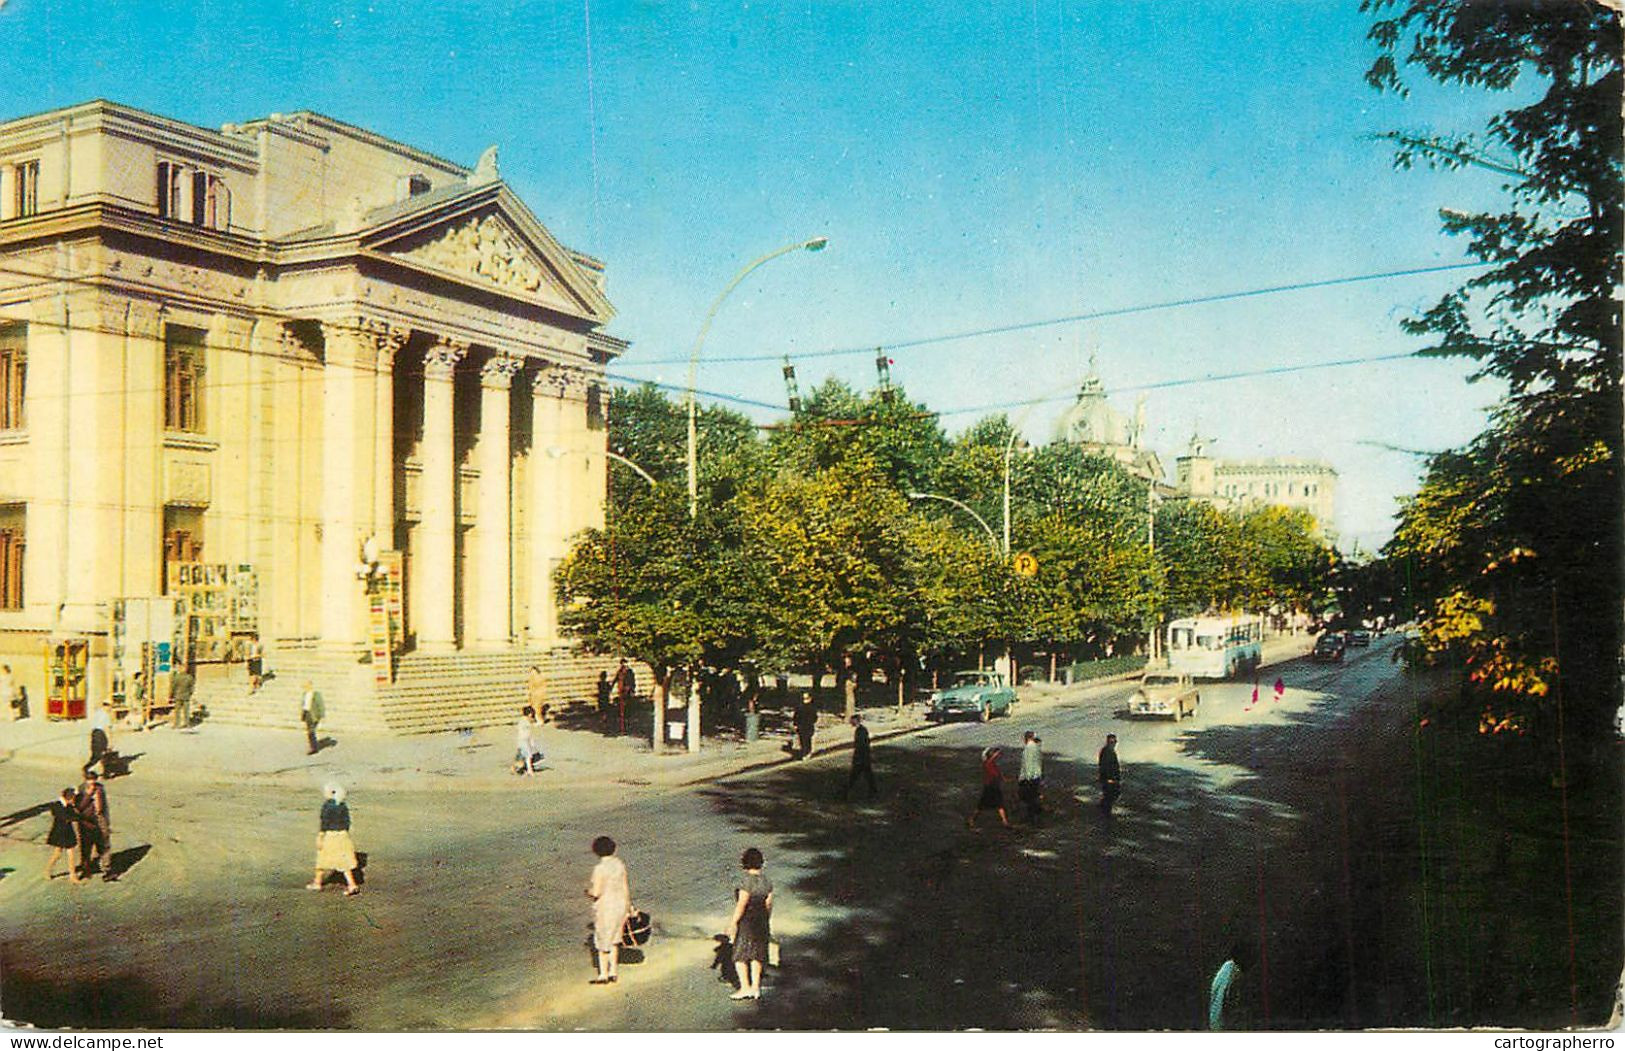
x=1092 y=423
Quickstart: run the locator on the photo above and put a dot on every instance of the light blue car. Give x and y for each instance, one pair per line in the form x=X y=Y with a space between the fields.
x=982 y=694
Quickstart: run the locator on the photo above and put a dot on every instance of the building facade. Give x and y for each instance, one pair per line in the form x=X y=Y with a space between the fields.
x=291 y=346
x=1283 y=481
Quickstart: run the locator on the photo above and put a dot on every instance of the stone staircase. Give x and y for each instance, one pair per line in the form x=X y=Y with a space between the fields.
x=432 y=693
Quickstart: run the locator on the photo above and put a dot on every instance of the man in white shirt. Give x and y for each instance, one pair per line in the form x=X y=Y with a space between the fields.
x=1030 y=782
x=101 y=724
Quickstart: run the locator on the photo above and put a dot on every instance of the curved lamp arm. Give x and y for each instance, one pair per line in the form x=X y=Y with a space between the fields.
x=813 y=244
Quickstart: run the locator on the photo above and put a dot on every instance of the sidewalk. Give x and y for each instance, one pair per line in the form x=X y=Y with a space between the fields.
x=481 y=759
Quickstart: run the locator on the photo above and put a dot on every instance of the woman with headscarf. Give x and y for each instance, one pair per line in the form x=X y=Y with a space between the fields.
x=334 y=849
x=611 y=894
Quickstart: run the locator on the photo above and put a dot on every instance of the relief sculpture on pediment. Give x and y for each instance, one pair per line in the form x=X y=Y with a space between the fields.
x=485 y=248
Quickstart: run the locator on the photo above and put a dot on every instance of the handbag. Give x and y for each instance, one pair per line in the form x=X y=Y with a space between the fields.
x=636 y=930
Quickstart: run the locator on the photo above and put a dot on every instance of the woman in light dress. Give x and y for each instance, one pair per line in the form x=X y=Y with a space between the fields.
x=611 y=894
x=335 y=851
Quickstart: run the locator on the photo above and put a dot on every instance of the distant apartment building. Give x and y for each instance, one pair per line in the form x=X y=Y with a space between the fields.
x=325 y=364
x=1284 y=481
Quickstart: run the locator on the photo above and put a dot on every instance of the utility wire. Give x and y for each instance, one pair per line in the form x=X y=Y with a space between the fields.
x=1094 y=315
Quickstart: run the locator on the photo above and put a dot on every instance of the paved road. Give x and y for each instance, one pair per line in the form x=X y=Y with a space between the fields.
x=891 y=913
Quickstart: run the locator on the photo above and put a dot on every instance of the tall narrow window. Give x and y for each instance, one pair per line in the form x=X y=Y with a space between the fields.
x=183 y=379
x=216 y=204
x=13 y=376
x=12 y=543
x=169 y=190
x=183 y=539
x=27 y=189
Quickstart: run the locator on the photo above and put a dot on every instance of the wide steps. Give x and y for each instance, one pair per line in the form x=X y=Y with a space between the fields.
x=432 y=693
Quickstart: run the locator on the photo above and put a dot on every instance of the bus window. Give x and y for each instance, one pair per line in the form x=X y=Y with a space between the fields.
x=1209 y=642
x=1180 y=638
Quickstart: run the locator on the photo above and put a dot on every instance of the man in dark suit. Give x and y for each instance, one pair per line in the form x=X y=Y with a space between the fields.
x=1111 y=775
x=861 y=763
x=806 y=720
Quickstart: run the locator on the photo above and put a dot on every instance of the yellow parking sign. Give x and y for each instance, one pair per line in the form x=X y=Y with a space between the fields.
x=1026 y=564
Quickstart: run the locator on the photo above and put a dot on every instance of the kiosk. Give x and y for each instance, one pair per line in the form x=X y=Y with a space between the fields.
x=66 y=681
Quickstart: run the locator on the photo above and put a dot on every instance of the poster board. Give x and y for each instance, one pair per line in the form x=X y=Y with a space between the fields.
x=218 y=600
x=146 y=638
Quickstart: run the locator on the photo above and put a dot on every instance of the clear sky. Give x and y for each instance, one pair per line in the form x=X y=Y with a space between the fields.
x=973 y=164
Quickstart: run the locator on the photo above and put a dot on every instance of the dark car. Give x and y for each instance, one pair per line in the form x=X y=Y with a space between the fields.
x=1359 y=637
x=1328 y=649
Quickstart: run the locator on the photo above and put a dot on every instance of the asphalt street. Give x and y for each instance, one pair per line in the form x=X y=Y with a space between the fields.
x=891 y=913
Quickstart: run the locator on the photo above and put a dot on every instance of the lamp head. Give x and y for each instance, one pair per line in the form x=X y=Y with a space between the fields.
x=817 y=244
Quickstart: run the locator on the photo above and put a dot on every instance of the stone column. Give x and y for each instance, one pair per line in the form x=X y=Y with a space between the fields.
x=493 y=616
x=596 y=511
x=547 y=424
x=388 y=343
x=346 y=354
x=435 y=555
x=8 y=190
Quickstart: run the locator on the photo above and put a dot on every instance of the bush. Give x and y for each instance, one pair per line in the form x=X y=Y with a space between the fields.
x=1105 y=668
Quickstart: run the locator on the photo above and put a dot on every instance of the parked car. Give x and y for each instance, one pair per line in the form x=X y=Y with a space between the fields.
x=982 y=694
x=1164 y=695
x=1359 y=637
x=1328 y=649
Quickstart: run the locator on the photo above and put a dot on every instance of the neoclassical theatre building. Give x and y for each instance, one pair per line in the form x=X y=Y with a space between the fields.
x=300 y=384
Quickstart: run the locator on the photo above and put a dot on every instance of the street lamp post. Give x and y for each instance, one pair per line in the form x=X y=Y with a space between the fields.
x=992 y=537
x=814 y=244
x=558 y=451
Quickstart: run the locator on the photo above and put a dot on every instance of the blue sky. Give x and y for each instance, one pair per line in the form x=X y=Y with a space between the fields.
x=973 y=165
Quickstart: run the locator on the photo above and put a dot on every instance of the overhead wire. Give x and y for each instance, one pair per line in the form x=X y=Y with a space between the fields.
x=1070 y=319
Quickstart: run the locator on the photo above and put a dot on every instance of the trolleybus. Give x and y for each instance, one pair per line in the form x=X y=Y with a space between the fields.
x=1215 y=647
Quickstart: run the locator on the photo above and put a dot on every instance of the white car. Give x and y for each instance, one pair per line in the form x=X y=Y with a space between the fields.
x=1164 y=695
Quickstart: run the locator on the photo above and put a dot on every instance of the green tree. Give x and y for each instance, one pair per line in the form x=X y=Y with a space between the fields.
x=1512 y=545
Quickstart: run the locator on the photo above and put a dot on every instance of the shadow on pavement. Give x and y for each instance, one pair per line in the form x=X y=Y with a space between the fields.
x=82 y=1000
x=122 y=861
x=1333 y=842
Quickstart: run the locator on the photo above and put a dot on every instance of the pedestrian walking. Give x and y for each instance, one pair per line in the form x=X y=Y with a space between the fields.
x=626 y=683
x=536 y=688
x=806 y=721
x=751 y=926
x=862 y=765
x=101 y=724
x=611 y=892
x=335 y=850
x=64 y=835
x=1111 y=775
x=528 y=755
x=1030 y=781
x=992 y=797
x=9 y=695
x=311 y=712
x=256 y=664
x=96 y=833
x=181 y=684
x=602 y=694
x=1226 y=1006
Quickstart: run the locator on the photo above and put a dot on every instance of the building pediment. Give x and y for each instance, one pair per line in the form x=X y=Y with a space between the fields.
x=497 y=245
